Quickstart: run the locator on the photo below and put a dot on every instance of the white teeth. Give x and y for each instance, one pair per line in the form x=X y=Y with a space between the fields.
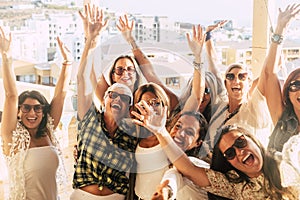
x=116 y=105
x=244 y=160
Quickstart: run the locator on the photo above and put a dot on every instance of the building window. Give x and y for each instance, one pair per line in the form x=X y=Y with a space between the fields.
x=173 y=82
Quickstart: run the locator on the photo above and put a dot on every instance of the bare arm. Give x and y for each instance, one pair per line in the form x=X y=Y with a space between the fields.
x=156 y=124
x=61 y=87
x=84 y=76
x=145 y=65
x=268 y=78
x=210 y=48
x=198 y=85
x=10 y=110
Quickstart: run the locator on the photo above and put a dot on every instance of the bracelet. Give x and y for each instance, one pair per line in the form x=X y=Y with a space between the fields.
x=208 y=36
x=67 y=62
x=197 y=66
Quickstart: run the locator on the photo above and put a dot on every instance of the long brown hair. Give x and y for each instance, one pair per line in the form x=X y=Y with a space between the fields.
x=285 y=90
x=270 y=167
x=138 y=77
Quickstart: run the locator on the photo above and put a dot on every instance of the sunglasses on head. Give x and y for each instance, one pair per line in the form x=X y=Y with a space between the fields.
x=240 y=142
x=120 y=70
x=240 y=76
x=25 y=108
x=125 y=98
x=294 y=86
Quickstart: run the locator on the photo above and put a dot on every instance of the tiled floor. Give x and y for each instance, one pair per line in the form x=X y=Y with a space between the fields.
x=68 y=159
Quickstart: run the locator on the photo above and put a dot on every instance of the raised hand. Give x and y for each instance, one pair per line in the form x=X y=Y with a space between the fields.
x=149 y=118
x=65 y=52
x=161 y=193
x=5 y=43
x=93 y=21
x=126 y=28
x=196 y=43
x=286 y=16
x=220 y=24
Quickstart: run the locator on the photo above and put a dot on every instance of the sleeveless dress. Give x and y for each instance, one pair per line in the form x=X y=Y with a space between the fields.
x=33 y=172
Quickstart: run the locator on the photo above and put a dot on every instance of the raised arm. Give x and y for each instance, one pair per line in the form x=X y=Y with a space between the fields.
x=210 y=47
x=84 y=75
x=156 y=124
x=62 y=85
x=198 y=85
x=144 y=63
x=268 y=78
x=10 y=110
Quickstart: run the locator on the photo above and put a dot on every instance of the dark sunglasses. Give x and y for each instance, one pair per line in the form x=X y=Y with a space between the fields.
x=294 y=86
x=120 y=70
x=240 y=142
x=240 y=76
x=25 y=108
x=207 y=91
x=125 y=98
x=154 y=102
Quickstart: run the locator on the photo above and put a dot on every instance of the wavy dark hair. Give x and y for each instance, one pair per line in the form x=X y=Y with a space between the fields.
x=202 y=132
x=33 y=94
x=270 y=167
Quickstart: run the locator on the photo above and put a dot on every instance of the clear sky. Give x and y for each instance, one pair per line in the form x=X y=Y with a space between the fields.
x=193 y=11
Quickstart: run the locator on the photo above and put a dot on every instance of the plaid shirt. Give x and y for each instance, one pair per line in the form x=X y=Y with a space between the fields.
x=103 y=160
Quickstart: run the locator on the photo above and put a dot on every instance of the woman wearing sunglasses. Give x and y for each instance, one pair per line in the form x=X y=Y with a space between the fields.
x=106 y=141
x=151 y=160
x=283 y=104
x=255 y=110
x=27 y=130
x=124 y=68
x=240 y=169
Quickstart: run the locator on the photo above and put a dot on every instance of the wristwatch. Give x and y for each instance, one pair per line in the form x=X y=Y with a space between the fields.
x=276 y=38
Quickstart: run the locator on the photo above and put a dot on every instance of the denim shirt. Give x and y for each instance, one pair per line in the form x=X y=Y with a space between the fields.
x=286 y=127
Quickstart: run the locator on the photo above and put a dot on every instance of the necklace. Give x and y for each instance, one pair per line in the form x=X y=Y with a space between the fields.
x=228 y=117
x=231 y=114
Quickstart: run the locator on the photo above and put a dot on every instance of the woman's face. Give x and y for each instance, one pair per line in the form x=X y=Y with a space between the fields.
x=248 y=158
x=237 y=84
x=153 y=101
x=117 y=103
x=124 y=72
x=206 y=98
x=31 y=113
x=294 y=93
x=186 y=132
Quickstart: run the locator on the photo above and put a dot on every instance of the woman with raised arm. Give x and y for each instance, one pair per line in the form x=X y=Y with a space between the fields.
x=215 y=92
x=27 y=130
x=149 y=173
x=243 y=169
x=145 y=65
x=105 y=140
x=124 y=68
x=283 y=104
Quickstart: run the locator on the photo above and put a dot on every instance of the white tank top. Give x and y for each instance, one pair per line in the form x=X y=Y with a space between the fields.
x=151 y=165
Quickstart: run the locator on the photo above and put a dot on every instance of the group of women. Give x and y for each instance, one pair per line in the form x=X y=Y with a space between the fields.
x=144 y=142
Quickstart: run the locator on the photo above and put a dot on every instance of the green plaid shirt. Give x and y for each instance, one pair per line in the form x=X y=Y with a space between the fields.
x=103 y=160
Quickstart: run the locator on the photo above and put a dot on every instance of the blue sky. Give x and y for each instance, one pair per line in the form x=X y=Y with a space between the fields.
x=193 y=11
